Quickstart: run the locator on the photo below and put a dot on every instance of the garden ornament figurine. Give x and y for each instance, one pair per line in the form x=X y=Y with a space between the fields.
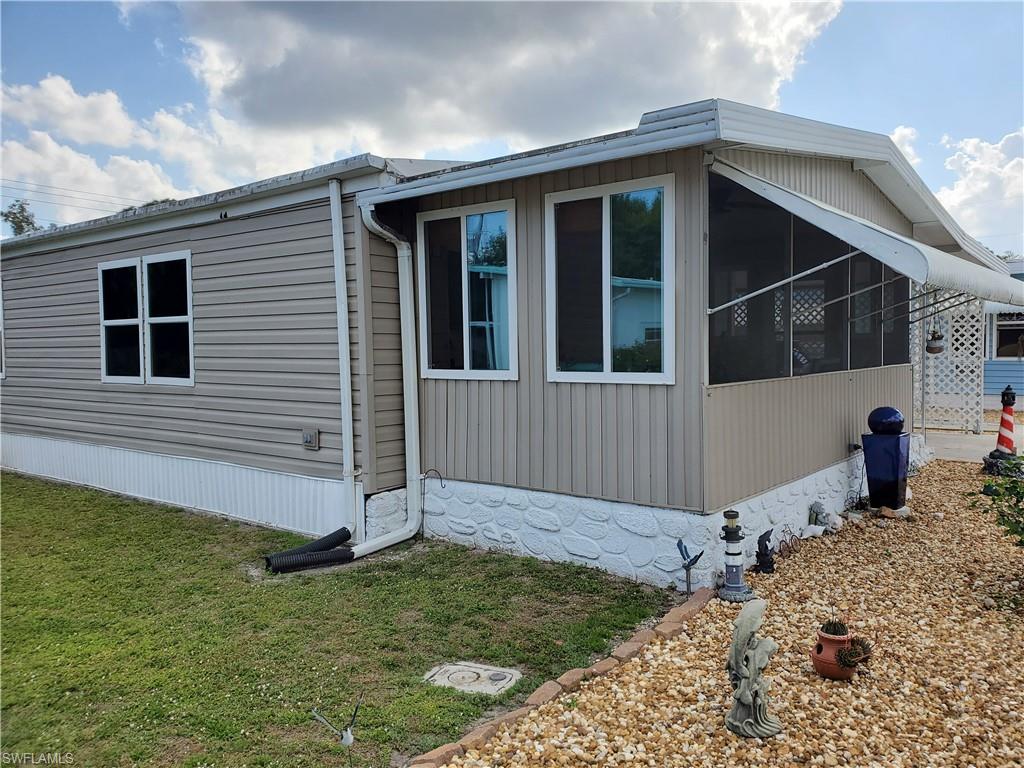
x=735 y=590
x=747 y=660
x=346 y=737
x=1005 y=447
x=688 y=563
x=765 y=557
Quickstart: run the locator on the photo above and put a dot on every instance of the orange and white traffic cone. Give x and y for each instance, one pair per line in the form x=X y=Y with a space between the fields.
x=1004 y=443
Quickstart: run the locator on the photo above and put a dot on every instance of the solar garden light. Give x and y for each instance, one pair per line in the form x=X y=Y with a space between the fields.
x=735 y=590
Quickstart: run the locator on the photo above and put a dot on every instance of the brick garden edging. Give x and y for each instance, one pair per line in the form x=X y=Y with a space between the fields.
x=670 y=626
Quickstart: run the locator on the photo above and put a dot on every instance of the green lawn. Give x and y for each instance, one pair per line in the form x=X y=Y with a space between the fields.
x=133 y=634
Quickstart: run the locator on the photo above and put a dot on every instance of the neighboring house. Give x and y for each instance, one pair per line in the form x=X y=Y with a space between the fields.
x=1004 y=342
x=598 y=346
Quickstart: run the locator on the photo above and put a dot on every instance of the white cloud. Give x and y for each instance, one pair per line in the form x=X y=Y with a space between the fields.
x=406 y=78
x=96 y=118
x=903 y=136
x=987 y=197
x=215 y=151
x=41 y=160
x=290 y=86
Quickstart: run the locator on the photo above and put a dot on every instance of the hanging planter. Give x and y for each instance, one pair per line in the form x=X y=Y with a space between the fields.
x=936 y=343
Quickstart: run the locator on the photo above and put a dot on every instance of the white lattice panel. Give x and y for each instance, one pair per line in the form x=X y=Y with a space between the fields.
x=953 y=379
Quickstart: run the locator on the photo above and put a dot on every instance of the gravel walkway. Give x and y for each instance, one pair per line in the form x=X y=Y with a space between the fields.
x=946 y=686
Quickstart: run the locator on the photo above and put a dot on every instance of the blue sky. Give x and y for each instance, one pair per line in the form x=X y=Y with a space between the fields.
x=156 y=100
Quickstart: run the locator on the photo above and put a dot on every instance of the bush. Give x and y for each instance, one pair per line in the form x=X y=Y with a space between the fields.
x=1005 y=496
x=642 y=357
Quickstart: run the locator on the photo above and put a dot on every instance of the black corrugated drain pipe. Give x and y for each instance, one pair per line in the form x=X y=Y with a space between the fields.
x=304 y=560
x=298 y=558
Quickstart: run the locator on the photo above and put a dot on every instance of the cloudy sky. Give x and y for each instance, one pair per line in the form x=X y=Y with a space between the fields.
x=108 y=104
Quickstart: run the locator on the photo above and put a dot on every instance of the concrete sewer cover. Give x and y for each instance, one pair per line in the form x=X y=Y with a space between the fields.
x=473 y=678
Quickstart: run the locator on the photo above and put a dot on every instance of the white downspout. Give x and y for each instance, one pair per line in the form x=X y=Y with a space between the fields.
x=348 y=467
x=410 y=389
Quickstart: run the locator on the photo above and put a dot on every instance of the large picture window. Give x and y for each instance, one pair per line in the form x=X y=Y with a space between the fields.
x=847 y=315
x=146 y=320
x=609 y=268
x=468 y=292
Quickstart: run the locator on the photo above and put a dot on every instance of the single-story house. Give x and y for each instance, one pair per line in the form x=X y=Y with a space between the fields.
x=1004 y=343
x=583 y=352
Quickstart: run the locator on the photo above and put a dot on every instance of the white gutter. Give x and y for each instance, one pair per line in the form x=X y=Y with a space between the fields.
x=348 y=470
x=215 y=206
x=410 y=390
x=570 y=156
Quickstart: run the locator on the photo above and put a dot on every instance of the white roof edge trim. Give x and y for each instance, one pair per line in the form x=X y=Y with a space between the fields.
x=921 y=263
x=90 y=229
x=705 y=122
x=556 y=159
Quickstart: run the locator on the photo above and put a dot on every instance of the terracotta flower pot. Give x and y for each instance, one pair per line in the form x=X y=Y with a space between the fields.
x=823 y=656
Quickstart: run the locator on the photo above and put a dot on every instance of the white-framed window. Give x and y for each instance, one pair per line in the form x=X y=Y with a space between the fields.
x=1008 y=336
x=146 y=320
x=467 y=292
x=609 y=263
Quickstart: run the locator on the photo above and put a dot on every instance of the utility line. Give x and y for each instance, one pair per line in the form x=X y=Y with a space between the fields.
x=57 y=194
x=67 y=205
x=69 y=189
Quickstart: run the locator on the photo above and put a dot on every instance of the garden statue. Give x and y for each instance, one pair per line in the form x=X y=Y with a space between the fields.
x=688 y=563
x=747 y=659
x=765 y=558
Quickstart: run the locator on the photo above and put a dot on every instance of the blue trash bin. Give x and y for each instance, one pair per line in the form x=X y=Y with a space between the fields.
x=886 y=458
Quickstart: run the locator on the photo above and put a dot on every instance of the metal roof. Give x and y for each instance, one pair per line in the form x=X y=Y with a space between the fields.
x=719 y=123
x=714 y=123
x=276 y=185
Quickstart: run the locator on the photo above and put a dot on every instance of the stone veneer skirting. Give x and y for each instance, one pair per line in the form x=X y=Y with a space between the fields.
x=638 y=542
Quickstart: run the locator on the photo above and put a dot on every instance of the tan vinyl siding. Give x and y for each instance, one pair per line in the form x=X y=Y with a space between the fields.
x=831 y=181
x=638 y=443
x=382 y=302
x=265 y=341
x=765 y=433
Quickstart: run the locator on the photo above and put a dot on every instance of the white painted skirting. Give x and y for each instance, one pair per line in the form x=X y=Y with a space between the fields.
x=638 y=542
x=308 y=505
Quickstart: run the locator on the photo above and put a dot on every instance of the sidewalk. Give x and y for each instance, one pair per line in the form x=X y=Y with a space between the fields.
x=958 y=446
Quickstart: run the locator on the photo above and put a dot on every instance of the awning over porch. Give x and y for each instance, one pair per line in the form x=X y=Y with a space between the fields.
x=921 y=263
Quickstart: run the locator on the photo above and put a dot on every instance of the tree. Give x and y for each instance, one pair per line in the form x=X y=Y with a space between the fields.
x=146 y=205
x=21 y=219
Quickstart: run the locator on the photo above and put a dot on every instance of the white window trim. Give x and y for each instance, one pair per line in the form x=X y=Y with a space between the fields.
x=996 y=325
x=150 y=321
x=604 y=191
x=103 y=266
x=144 y=322
x=467 y=373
